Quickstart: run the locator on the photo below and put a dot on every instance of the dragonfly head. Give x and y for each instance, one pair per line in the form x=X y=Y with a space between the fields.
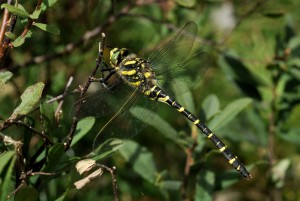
x=117 y=55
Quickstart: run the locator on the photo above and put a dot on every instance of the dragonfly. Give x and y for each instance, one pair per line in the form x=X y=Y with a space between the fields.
x=132 y=87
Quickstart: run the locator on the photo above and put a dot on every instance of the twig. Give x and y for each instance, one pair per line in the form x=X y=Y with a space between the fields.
x=112 y=171
x=71 y=46
x=42 y=135
x=189 y=162
x=83 y=91
x=5 y=41
x=58 y=109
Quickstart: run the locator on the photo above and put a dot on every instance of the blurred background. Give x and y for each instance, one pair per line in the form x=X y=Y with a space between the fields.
x=249 y=96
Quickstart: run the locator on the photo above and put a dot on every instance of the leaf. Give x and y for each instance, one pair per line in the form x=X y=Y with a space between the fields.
x=186 y=3
x=36 y=13
x=56 y=152
x=30 y=98
x=231 y=110
x=292 y=136
x=19 y=41
x=141 y=160
x=227 y=178
x=5 y=158
x=4 y=77
x=83 y=127
x=49 y=3
x=279 y=171
x=27 y=193
x=205 y=185
x=81 y=183
x=159 y=123
x=241 y=75
x=85 y=165
x=7 y=184
x=48 y=28
x=170 y=185
x=21 y=12
x=10 y=35
x=211 y=106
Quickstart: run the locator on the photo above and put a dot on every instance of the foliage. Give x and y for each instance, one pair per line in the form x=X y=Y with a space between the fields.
x=249 y=97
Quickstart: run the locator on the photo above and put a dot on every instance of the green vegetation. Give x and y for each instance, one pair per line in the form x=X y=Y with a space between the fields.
x=249 y=97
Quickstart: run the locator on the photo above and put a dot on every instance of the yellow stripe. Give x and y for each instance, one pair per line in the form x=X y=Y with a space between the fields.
x=210 y=135
x=130 y=62
x=157 y=93
x=181 y=109
x=238 y=168
x=173 y=103
x=222 y=149
x=129 y=72
x=138 y=83
x=153 y=88
x=113 y=51
x=197 y=121
x=147 y=74
x=232 y=161
x=163 y=99
x=218 y=143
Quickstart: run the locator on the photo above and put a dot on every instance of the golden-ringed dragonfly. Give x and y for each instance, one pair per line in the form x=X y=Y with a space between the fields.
x=133 y=86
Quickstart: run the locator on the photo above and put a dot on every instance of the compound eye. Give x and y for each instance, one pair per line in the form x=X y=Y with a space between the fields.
x=124 y=52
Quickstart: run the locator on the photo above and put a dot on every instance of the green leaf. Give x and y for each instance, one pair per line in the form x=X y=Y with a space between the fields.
x=27 y=193
x=56 y=152
x=7 y=185
x=5 y=76
x=205 y=185
x=36 y=13
x=186 y=3
x=30 y=99
x=10 y=35
x=48 y=28
x=231 y=110
x=141 y=160
x=49 y=3
x=227 y=178
x=19 y=41
x=170 y=185
x=5 y=158
x=20 y=11
x=279 y=171
x=292 y=136
x=241 y=75
x=83 y=127
x=157 y=122
x=211 y=106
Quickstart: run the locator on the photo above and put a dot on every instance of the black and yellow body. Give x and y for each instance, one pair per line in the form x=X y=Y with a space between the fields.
x=138 y=74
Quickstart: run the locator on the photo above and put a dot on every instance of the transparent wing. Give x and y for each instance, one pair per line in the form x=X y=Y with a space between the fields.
x=125 y=123
x=175 y=70
x=185 y=75
x=99 y=100
x=174 y=51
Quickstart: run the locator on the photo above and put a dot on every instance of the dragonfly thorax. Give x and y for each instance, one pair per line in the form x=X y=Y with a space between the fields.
x=135 y=71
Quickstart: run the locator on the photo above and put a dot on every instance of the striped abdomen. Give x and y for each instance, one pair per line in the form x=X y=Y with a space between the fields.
x=156 y=93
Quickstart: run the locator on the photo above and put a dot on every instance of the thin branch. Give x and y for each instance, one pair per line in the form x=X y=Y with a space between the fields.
x=112 y=171
x=87 y=36
x=83 y=91
x=189 y=162
x=58 y=109
x=42 y=135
